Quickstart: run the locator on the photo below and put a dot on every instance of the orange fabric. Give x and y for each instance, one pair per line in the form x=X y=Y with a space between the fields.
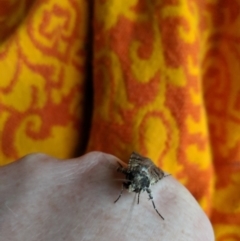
x=163 y=77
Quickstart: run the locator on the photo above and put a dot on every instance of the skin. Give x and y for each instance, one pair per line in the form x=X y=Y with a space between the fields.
x=42 y=198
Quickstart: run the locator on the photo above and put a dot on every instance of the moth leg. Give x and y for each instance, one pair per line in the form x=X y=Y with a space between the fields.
x=119 y=195
x=138 y=196
x=151 y=197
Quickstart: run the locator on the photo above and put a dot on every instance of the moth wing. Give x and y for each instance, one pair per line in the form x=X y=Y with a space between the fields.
x=138 y=161
x=155 y=173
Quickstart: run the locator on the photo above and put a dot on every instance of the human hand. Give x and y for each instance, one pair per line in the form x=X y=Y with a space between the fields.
x=42 y=198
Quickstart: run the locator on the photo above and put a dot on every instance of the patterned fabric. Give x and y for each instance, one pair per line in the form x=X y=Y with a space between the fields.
x=160 y=77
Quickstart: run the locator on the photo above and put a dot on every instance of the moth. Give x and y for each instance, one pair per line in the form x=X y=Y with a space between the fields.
x=140 y=174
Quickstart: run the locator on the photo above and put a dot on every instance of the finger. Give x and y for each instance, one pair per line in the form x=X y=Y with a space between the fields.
x=184 y=219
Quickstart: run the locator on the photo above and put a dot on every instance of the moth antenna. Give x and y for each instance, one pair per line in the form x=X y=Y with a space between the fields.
x=122 y=164
x=167 y=175
x=123 y=180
